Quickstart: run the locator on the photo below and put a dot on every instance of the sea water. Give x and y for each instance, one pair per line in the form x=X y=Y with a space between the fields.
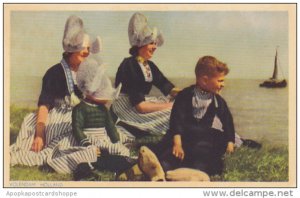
x=259 y=113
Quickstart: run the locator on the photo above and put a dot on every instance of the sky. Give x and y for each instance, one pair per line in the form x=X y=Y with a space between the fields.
x=245 y=40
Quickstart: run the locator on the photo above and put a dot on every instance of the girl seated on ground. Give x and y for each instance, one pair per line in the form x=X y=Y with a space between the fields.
x=92 y=123
x=134 y=108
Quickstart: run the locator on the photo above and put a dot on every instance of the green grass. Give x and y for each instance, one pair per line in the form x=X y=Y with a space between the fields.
x=25 y=173
x=270 y=163
x=17 y=115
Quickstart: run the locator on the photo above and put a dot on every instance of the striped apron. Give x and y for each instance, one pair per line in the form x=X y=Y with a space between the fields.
x=61 y=151
x=99 y=138
x=155 y=123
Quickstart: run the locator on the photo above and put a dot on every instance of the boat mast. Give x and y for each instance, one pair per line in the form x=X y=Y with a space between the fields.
x=275 y=72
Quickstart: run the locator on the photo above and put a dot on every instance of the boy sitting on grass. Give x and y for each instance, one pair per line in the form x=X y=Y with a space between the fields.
x=201 y=125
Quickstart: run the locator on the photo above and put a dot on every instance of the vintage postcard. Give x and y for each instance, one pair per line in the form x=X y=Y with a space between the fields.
x=68 y=124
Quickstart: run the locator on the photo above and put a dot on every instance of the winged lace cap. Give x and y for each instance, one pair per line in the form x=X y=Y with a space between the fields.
x=92 y=80
x=140 y=33
x=76 y=39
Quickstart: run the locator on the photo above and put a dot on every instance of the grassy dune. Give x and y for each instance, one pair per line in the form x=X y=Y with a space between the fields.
x=270 y=163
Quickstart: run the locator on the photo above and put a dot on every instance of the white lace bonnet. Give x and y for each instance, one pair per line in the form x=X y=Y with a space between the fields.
x=92 y=80
x=140 y=33
x=75 y=38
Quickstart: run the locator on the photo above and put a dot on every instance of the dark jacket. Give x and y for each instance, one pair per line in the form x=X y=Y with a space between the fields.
x=183 y=122
x=133 y=82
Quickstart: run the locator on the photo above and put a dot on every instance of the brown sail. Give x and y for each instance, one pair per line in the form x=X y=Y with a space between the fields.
x=274 y=82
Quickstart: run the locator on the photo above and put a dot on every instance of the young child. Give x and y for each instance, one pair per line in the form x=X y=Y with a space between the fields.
x=201 y=125
x=92 y=124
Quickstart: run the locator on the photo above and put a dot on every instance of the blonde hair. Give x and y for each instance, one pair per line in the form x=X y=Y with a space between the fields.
x=210 y=66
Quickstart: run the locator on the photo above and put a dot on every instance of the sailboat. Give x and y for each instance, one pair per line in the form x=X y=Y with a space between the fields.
x=274 y=82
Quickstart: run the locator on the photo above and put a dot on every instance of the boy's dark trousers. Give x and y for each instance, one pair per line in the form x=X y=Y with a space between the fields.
x=203 y=152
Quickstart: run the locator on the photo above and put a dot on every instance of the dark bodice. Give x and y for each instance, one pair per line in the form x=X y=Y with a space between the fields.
x=54 y=87
x=133 y=82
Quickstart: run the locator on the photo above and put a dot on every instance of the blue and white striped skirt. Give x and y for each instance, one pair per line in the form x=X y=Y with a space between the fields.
x=155 y=123
x=61 y=151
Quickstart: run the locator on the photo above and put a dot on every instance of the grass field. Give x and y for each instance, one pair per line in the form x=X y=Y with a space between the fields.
x=270 y=163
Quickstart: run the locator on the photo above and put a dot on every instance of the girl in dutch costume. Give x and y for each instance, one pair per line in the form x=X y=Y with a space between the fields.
x=46 y=137
x=93 y=125
x=134 y=107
